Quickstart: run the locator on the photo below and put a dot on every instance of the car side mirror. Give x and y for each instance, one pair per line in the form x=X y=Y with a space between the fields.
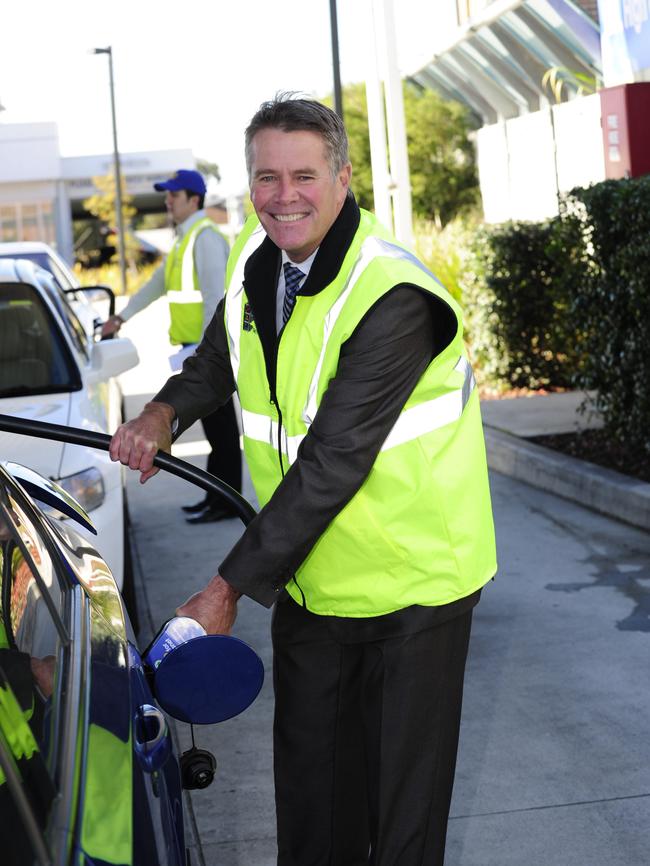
x=110 y=358
x=96 y=293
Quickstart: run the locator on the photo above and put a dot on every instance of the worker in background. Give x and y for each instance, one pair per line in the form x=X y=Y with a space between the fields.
x=362 y=432
x=193 y=276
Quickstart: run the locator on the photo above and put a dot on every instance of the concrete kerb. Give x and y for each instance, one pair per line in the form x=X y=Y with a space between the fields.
x=600 y=489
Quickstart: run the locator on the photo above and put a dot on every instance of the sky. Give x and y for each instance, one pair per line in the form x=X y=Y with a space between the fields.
x=188 y=73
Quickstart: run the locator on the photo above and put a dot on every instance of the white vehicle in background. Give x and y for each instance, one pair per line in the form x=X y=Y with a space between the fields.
x=51 y=369
x=89 y=303
x=44 y=256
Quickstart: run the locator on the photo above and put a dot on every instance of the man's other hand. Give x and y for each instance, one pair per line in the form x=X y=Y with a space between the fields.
x=135 y=443
x=215 y=607
x=112 y=326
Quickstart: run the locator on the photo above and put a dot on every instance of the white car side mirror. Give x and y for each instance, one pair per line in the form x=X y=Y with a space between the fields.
x=110 y=358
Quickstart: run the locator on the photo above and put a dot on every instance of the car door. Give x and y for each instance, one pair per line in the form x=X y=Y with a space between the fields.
x=88 y=774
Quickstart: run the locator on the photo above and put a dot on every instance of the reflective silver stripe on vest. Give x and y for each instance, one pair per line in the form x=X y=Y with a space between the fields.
x=371 y=248
x=265 y=429
x=234 y=296
x=188 y=294
x=412 y=423
x=433 y=414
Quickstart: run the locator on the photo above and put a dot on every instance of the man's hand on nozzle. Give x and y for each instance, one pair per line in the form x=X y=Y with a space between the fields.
x=215 y=607
x=135 y=443
x=112 y=325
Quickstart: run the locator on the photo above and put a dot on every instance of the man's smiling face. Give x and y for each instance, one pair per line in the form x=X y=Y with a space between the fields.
x=292 y=189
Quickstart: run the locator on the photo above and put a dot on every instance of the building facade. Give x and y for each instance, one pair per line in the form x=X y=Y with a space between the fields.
x=41 y=191
x=529 y=72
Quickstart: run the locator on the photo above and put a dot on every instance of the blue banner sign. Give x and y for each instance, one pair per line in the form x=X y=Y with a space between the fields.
x=625 y=40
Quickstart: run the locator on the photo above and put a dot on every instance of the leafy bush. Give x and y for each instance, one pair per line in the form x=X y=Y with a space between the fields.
x=612 y=309
x=518 y=295
x=446 y=251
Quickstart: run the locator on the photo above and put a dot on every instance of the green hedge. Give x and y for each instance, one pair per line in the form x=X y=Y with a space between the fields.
x=566 y=303
x=517 y=297
x=612 y=309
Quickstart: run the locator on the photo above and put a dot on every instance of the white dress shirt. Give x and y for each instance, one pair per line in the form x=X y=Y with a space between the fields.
x=279 y=298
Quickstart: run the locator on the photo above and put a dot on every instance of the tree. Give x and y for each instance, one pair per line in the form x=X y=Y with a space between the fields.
x=208 y=169
x=444 y=181
x=103 y=206
x=441 y=156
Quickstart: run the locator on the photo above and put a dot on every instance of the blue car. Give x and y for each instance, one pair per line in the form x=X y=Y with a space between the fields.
x=88 y=773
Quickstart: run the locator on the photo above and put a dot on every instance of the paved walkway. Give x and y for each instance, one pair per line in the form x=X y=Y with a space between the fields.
x=554 y=760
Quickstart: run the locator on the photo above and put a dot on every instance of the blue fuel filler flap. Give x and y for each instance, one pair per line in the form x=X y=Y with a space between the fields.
x=199 y=678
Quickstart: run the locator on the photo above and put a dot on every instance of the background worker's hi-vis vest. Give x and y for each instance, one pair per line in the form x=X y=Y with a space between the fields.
x=419 y=530
x=182 y=286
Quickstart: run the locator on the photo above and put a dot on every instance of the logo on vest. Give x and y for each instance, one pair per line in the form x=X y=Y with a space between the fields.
x=249 y=321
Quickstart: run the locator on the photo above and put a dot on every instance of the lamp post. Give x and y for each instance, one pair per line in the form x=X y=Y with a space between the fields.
x=118 y=175
x=336 y=66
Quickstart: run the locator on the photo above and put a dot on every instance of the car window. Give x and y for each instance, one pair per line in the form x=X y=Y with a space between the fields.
x=34 y=357
x=77 y=331
x=33 y=659
x=59 y=274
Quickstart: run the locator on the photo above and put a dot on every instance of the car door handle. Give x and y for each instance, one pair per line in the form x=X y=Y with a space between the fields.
x=151 y=741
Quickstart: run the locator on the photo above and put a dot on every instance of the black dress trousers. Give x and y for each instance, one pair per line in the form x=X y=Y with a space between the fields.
x=222 y=433
x=365 y=739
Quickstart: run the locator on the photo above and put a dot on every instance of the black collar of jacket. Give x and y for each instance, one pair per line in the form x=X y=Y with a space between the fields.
x=262 y=270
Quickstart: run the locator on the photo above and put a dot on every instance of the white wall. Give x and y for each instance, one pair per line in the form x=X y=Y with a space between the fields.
x=492 y=158
x=523 y=162
x=29 y=152
x=579 y=140
x=533 y=186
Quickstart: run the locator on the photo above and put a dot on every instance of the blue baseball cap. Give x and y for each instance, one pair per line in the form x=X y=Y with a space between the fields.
x=184 y=178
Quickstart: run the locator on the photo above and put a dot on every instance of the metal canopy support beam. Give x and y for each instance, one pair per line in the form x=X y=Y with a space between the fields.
x=565 y=55
x=503 y=102
x=520 y=52
x=395 y=122
x=515 y=77
x=432 y=79
x=381 y=181
x=586 y=30
x=487 y=111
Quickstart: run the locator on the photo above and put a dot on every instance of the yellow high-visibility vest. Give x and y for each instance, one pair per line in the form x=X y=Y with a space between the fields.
x=420 y=529
x=182 y=286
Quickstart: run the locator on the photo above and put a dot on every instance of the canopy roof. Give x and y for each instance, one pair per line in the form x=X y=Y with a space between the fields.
x=496 y=62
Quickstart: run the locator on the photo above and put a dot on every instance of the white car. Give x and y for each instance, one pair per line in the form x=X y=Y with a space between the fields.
x=52 y=370
x=43 y=255
x=89 y=303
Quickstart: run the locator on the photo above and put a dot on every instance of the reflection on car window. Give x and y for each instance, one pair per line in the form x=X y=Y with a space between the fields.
x=75 y=327
x=31 y=667
x=34 y=358
x=31 y=607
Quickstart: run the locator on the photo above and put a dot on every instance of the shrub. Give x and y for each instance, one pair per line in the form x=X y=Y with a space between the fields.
x=612 y=308
x=445 y=251
x=517 y=297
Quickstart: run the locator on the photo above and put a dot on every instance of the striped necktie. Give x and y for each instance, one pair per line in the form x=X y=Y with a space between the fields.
x=292 y=277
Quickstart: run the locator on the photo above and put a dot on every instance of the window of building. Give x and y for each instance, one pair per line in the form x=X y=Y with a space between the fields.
x=29 y=218
x=27 y=222
x=8 y=223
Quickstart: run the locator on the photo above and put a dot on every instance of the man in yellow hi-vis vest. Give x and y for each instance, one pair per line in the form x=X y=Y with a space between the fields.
x=362 y=432
x=192 y=277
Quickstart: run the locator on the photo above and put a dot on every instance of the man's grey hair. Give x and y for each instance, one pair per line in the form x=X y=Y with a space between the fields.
x=291 y=113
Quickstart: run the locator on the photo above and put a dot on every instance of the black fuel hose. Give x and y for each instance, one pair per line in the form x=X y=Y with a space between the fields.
x=75 y=436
